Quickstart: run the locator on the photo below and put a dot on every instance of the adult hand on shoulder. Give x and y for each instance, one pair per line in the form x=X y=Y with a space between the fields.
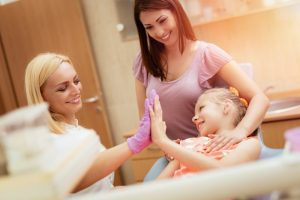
x=225 y=139
x=142 y=138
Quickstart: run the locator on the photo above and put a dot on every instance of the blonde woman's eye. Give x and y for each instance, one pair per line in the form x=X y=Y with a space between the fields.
x=77 y=81
x=61 y=89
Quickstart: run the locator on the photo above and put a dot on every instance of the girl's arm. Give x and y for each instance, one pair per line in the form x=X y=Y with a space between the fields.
x=169 y=170
x=140 y=96
x=107 y=162
x=246 y=151
x=233 y=75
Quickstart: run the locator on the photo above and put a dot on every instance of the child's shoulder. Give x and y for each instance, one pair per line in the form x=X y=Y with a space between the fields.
x=255 y=138
x=252 y=140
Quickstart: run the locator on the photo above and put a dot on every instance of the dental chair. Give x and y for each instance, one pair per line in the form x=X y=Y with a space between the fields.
x=266 y=152
x=161 y=163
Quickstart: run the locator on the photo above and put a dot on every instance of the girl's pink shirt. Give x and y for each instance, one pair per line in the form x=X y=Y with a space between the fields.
x=178 y=97
x=199 y=145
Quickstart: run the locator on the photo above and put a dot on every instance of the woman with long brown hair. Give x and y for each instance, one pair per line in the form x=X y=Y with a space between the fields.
x=180 y=68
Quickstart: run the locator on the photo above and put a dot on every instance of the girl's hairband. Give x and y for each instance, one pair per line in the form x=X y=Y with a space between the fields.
x=236 y=92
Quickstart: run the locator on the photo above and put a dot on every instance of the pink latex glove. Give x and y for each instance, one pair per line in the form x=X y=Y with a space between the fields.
x=142 y=138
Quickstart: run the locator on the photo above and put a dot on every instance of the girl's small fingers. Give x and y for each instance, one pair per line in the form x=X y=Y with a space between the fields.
x=157 y=108
x=151 y=111
x=157 y=103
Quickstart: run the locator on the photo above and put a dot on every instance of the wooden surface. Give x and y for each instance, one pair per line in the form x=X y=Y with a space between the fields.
x=7 y=96
x=273 y=132
x=30 y=27
x=141 y=163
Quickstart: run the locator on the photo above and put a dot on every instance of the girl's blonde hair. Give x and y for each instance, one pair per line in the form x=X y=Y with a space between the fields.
x=219 y=95
x=37 y=73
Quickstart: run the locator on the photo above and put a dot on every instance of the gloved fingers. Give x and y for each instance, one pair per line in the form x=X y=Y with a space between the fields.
x=146 y=106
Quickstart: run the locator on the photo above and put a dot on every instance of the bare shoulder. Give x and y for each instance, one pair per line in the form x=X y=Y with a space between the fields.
x=250 y=141
x=246 y=151
x=250 y=146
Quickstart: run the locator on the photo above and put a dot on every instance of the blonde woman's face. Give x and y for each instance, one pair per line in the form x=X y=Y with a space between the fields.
x=161 y=25
x=62 y=91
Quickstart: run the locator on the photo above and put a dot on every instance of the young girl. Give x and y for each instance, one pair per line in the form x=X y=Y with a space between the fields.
x=52 y=78
x=216 y=110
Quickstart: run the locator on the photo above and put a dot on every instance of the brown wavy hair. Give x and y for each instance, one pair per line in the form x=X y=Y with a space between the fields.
x=152 y=50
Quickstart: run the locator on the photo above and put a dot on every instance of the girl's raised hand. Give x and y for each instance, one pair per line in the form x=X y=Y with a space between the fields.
x=158 y=126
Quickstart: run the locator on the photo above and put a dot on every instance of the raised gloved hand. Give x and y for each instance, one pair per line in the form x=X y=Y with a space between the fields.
x=142 y=138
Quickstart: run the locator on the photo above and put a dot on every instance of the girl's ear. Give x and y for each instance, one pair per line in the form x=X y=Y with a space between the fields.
x=227 y=106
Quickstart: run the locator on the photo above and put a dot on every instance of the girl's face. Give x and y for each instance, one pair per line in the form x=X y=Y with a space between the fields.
x=62 y=91
x=208 y=116
x=160 y=25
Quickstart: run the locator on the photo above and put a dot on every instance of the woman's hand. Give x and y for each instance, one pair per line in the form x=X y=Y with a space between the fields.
x=225 y=139
x=158 y=126
x=142 y=138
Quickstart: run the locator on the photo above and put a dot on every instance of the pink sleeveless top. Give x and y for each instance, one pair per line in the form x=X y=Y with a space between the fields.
x=178 y=97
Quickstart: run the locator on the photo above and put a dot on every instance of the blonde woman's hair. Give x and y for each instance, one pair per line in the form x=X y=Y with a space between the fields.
x=37 y=73
x=219 y=95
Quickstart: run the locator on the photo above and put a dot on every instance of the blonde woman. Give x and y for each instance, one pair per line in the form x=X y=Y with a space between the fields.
x=52 y=78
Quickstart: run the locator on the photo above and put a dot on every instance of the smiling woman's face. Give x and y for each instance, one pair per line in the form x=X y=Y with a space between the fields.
x=160 y=25
x=62 y=91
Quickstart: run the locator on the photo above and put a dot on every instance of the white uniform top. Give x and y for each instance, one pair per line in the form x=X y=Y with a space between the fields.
x=105 y=183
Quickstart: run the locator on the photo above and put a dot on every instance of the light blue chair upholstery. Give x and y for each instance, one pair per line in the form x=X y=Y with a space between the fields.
x=156 y=169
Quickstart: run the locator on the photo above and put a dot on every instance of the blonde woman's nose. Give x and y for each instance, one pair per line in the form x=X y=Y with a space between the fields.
x=75 y=88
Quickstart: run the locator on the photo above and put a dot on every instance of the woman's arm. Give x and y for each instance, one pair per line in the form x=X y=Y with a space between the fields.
x=110 y=159
x=233 y=75
x=169 y=170
x=107 y=162
x=140 y=96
